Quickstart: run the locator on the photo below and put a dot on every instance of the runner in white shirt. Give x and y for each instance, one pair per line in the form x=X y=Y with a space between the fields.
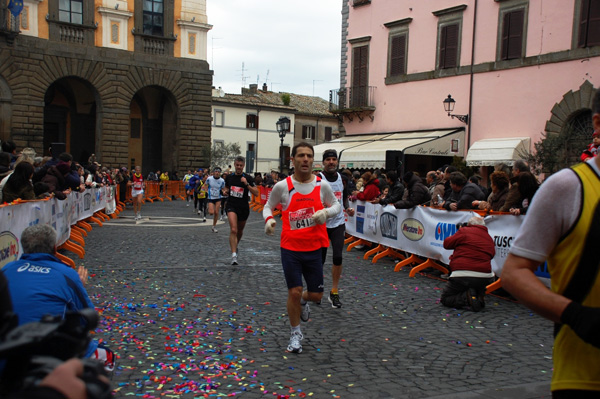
x=215 y=184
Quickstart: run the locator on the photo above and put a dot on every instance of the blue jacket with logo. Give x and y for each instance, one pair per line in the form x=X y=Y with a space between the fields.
x=41 y=284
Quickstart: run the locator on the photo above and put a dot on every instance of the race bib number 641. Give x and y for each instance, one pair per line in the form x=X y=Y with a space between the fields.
x=301 y=219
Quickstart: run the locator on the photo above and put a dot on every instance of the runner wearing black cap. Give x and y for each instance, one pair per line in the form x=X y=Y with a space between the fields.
x=336 y=226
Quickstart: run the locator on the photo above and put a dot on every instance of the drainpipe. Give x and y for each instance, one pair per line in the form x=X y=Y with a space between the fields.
x=471 y=78
x=256 y=146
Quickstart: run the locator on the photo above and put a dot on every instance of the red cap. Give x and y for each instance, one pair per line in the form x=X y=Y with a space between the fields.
x=596 y=133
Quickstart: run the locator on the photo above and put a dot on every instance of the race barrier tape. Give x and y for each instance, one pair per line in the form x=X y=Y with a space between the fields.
x=92 y=204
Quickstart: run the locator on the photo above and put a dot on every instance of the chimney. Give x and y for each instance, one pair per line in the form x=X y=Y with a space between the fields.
x=265 y=88
x=253 y=88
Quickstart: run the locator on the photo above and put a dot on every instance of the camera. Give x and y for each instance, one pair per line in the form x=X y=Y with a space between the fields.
x=459 y=225
x=33 y=350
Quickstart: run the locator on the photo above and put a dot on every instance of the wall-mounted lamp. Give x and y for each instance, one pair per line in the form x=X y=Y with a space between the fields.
x=449 y=107
x=117 y=6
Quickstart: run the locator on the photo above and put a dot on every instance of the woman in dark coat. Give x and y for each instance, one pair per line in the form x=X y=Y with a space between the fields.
x=500 y=185
x=528 y=185
x=18 y=185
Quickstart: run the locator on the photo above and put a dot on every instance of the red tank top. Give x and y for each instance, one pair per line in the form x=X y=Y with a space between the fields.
x=138 y=182
x=299 y=231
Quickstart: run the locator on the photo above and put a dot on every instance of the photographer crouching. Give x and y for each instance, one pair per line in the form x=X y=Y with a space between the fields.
x=470 y=266
x=50 y=353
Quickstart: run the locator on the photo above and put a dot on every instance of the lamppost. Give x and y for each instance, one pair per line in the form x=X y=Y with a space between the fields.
x=283 y=127
x=449 y=103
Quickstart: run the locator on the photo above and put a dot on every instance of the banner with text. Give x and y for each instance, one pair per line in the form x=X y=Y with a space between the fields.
x=422 y=230
x=58 y=214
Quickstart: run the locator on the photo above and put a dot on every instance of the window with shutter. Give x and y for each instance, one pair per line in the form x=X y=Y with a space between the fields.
x=589 y=24
x=360 y=59
x=328 y=133
x=308 y=132
x=251 y=121
x=512 y=34
x=448 y=57
x=397 y=55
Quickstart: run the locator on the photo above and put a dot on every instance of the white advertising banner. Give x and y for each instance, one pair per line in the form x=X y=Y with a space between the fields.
x=422 y=230
x=58 y=214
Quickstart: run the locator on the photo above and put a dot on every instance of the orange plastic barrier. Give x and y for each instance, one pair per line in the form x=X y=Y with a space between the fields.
x=255 y=204
x=84 y=225
x=76 y=249
x=152 y=191
x=65 y=259
x=78 y=229
x=174 y=188
x=77 y=237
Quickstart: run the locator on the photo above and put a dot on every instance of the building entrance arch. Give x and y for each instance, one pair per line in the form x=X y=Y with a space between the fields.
x=568 y=132
x=5 y=110
x=154 y=130
x=71 y=109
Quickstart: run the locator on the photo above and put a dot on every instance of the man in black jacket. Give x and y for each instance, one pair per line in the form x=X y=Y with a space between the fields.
x=464 y=192
x=396 y=192
x=418 y=194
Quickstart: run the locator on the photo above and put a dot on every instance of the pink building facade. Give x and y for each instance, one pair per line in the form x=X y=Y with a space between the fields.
x=518 y=68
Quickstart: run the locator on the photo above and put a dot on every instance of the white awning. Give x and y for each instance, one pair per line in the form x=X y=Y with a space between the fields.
x=489 y=152
x=369 y=151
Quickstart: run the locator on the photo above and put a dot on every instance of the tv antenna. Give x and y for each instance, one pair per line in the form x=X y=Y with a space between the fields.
x=212 y=51
x=244 y=77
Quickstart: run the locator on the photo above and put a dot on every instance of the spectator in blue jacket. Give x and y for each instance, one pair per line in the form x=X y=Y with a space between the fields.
x=40 y=284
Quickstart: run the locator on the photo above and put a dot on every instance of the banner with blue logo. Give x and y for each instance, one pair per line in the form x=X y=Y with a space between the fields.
x=422 y=230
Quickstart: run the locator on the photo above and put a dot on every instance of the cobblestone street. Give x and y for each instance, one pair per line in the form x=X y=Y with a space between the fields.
x=185 y=323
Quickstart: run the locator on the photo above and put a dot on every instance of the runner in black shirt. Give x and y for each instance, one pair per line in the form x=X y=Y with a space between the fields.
x=238 y=185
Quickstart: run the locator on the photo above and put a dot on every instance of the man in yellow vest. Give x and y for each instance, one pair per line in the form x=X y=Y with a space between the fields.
x=563 y=227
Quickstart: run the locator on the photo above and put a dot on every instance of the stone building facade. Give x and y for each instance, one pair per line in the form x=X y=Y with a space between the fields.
x=138 y=95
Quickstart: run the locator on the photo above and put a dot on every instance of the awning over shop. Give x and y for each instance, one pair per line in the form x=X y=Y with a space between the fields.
x=370 y=151
x=489 y=152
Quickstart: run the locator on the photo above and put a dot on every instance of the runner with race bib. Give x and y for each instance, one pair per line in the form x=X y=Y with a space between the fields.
x=307 y=202
x=237 y=207
x=215 y=185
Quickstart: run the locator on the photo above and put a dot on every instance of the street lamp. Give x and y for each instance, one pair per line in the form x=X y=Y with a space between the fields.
x=283 y=127
x=449 y=107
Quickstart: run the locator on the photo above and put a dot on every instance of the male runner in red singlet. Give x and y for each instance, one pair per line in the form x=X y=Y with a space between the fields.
x=307 y=202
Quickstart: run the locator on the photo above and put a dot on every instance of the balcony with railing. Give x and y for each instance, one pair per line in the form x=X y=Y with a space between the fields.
x=154 y=45
x=9 y=24
x=352 y=101
x=70 y=33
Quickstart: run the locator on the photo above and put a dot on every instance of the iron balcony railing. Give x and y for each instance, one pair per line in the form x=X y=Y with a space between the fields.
x=349 y=99
x=9 y=24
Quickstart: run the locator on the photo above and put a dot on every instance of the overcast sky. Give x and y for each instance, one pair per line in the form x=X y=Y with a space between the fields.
x=297 y=43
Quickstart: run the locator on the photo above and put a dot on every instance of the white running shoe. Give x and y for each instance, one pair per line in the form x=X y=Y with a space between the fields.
x=305 y=315
x=234 y=260
x=199 y=212
x=214 y=230
x=295 y=345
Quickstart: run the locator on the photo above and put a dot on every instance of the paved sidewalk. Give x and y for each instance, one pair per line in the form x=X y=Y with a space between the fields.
x=185 y=323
